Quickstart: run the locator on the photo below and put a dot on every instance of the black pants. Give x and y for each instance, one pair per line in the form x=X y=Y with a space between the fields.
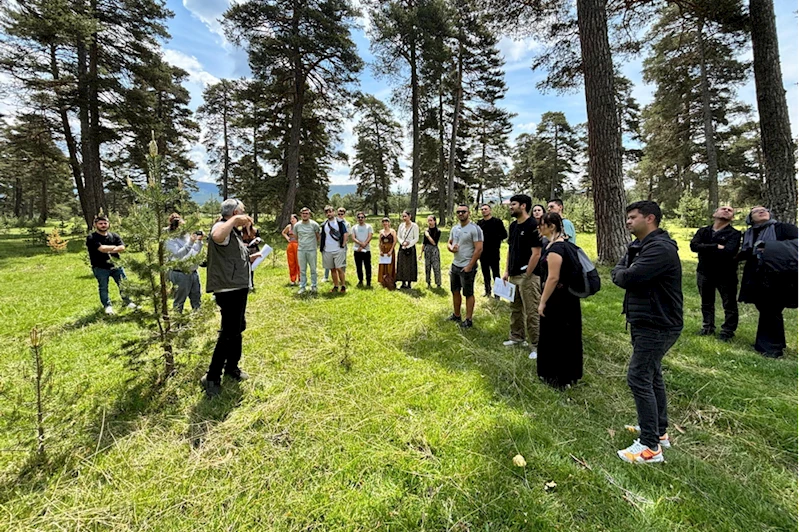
x=227 y=352
x=770 y=336
x=727 y=287
x=363 y=260
x=489 y=265
x=645 y=379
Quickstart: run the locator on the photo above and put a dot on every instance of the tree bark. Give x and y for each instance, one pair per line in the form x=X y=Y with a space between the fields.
x=93 y=171
x=453 y=141
x=416 y=170
x=707 y=116
x=775 y=125
x=226 y=141
x=442 y=181
x=604 y=144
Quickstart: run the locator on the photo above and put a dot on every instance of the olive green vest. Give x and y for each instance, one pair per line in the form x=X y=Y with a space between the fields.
x=228 y=266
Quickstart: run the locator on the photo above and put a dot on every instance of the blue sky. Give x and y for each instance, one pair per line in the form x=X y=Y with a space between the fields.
x=198 y=46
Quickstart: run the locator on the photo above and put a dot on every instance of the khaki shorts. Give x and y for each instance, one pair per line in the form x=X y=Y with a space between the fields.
x=334 y=259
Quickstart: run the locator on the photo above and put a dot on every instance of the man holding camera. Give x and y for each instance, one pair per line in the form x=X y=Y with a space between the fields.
x=182 y=246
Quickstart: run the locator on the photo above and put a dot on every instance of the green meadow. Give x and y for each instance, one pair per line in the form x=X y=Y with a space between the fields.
x=369 y=411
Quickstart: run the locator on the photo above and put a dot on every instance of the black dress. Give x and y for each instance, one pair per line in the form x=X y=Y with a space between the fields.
x=560 y=344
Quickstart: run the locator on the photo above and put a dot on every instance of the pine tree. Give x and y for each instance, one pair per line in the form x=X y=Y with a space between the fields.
x=216 y=114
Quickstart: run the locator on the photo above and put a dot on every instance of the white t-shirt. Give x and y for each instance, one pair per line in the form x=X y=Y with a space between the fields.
x=361 y=232
x=331 y=235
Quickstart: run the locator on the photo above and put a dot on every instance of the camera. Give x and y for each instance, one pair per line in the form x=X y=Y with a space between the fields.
x=199 y=233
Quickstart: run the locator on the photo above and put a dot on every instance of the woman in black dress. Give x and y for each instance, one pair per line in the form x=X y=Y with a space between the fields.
x=560 y=345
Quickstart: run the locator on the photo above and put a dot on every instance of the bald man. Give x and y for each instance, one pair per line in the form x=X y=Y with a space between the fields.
x=717 y=246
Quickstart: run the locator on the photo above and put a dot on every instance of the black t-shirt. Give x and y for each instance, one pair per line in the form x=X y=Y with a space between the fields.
x=435 y=234
x=96 y=257
x=493 y=234
x=523 y=238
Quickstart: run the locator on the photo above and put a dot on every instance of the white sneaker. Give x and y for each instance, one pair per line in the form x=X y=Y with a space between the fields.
x=508 y=343
x=665 y=442
x=533 y=355
x=109 y=310
x=301 y=291
x=133 y=306
x=638 y=453
x=313 y=289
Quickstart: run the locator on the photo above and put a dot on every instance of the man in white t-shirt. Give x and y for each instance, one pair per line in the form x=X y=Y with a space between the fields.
x=361 y=236
x=333 y=246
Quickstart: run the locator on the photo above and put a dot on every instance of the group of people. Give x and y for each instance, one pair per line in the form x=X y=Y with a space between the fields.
x=545 y=315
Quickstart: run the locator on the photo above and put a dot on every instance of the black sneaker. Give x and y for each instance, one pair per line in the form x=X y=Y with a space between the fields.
x=726 y=337
x=466 y=324
x=238 y=376
x=705 y=332
x=212 y=389
x=772 y=354
x=487 y=294
x=453 y=317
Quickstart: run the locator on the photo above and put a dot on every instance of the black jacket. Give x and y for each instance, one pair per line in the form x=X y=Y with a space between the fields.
x=754 y=285
x=342 y=229
x=651 y=273
x=713 y=261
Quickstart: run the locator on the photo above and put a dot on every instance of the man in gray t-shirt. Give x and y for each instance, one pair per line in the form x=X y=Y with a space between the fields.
x=466 y=242
x=361 y=236
x=308 y=234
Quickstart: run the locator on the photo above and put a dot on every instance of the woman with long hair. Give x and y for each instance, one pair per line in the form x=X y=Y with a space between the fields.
x=291 y=250
x=432 y=255
x=386 y=270
x=560 y=342
x=407 y=236
x=538 y=212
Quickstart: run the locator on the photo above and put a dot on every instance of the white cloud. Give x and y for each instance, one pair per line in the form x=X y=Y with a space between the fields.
x=202 y=173
x=527 y=127
x=514 y=50
x=189 y=63
x=209 y=12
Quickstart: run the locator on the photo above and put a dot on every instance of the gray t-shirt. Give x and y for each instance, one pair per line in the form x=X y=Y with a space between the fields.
x=465 y=237
x=306 y=235
x=361 y=232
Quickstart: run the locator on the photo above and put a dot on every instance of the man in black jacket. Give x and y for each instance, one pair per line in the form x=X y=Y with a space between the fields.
x=717 y=245
x=651 y=274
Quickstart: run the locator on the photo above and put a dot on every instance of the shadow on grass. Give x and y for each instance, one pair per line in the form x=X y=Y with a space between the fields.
x=207 y=413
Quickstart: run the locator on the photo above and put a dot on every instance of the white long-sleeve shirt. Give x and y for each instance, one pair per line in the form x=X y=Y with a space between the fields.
x=181 y=247
x=411 y=235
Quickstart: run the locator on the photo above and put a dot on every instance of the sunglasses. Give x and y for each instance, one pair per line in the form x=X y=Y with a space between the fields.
x=461 y=212
x=328 y=210
x=360 y=217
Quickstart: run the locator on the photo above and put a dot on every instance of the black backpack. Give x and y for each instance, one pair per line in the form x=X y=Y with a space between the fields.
x=585 y=279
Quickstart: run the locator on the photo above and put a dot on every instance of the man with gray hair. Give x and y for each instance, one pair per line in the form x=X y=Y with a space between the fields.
x=230 y=281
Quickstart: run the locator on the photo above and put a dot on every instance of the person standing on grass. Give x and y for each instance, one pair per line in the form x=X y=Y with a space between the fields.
x=432 y=255
x=538 y=212
x=308 y=234
x=362 y=234
x=333 y=246
x=769 y=277
x=407 y=236
x=560 y=343
x=717 y=246
x=493 y=233
x=556 y=205
x=651 y=273
x=291 y=250
x=387 y=272
x=466 y=243
x=230 y=281
x=524 y=252
x=103 y=245
x=182 y=246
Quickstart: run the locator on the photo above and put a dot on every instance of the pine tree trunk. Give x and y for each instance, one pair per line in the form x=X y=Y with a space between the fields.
x=775 y=126
x=226 y=144
x=707 y=115
x=96 y=181
x=293 y=151
x=17 y=197
x=442 y=180
x=416 y=170
x=91 y=206
x=453 y=141
x=604 y=146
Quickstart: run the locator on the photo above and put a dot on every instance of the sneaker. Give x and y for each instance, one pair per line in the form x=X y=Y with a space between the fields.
x=334 y=289
x=109 y=310
x=301 y=291
x=706 y=332
x=453 y=317
x=238 y=376
x=466 y=324
x=343 y=289
x=133 y=306
x=638 y=453
x=313 y=289
x=212 y=389
x=726 y=337
x=508 y=343
x=533 y=355
x=487 y=294
x=665 y=442
x=772 y=354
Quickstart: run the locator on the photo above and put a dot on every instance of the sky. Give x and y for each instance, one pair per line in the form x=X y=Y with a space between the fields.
x=198 y=45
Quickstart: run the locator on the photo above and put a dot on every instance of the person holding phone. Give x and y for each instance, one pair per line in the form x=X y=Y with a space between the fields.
x=181 y=247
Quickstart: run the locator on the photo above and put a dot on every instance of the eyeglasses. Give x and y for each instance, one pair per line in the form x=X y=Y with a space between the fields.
x=759 y=211
x=461 y=212
x=360 y=217
x=328 y=210
x=342 y=212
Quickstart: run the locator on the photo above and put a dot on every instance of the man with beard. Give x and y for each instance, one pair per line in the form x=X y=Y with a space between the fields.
x=717 y=245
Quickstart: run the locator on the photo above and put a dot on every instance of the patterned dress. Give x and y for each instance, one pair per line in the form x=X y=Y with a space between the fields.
x=387 y=273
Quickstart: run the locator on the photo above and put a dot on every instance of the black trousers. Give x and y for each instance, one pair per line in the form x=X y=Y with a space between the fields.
x=363 y=260
x=727 y=287
x=645 y=379
x=770 y=337
x=489 y=265
x=227 y=352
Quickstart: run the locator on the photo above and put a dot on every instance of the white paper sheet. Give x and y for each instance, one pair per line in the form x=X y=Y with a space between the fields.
x=504 y=289
x=265 y=251
x=384 y=259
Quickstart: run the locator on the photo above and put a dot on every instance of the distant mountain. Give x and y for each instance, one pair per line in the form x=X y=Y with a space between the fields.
x=208 y=191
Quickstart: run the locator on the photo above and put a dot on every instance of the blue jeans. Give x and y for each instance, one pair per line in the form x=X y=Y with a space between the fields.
x=102 y=275
x=186 y=285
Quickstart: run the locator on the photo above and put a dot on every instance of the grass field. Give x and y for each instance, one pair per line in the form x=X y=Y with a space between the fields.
x=370 y=412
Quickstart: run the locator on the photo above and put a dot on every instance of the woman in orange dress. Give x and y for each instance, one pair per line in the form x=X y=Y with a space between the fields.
x=387 y=273
x=291 y=250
